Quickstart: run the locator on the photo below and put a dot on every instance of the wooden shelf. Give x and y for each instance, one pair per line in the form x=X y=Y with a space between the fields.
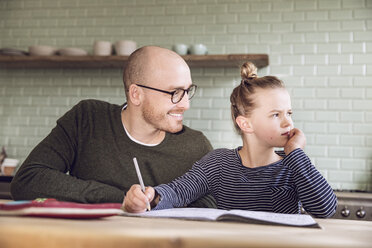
x=77 y=62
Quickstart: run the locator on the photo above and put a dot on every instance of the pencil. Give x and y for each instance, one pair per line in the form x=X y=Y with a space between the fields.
x=140 y=180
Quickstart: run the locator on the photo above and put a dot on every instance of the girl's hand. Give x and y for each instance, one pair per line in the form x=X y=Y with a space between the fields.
x=296 y=139
x=136 y=201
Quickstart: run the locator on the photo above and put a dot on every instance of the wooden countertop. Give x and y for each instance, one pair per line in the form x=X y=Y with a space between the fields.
x=121 y=231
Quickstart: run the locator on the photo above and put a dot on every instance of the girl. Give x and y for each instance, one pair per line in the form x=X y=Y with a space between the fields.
x=254 y=176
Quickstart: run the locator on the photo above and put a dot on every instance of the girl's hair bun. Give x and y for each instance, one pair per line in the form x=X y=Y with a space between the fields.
x=248 y=71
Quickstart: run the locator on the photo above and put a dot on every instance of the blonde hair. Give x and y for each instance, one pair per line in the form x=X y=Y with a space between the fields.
x=242 y=102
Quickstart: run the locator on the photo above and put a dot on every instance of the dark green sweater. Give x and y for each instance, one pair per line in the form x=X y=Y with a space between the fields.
x=88 y=158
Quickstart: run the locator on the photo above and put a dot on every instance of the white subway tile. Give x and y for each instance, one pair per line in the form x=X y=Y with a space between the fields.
x=314 y=151
x=222 y=125
x=362 y=177
x=338 y=151
x=354 y=116
x=363 y=36
x=352 y=140
x=193 y=113
x=223 y=103
x=249 y=17
x=362 y=13
x=327 y=163
x=283 y=6
x=305 y=26
x=201 y=103
x=259 y=27
x=340 y=36
x=237 y=28
x=341 y=15
x=303 y=70
x=328 y=26
x=340 y=59
x=315 y=127
x=353 y=3
x=340 y=81
x=327 y=140
x=353 y=164
x=318 y=37
x=344 y=128
x=291 y=59
x=342 y=104
x=248 y=38
x=362 y=129
x=329 y=4
x=340 y=176
x=327 y=116
x=362 y=58
x=317 y=15
x=201 y=124
x=212 y=114
x=238 y=7
x=217 y=8
x=352 y=47
x=315 y=59
x=303 y=93
x=305 y=115
x=304 y=48
x=260 y=6
x=315 y=104
x=213 y=136
x=316 y=82
x=352 y=70
x=271 y=17
x=305 y=5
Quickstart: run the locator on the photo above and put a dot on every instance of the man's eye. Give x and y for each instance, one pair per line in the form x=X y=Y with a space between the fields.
x=276 y=115
x=289 y=113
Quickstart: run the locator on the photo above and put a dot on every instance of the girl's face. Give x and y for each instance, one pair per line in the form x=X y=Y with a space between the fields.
x=271 y=120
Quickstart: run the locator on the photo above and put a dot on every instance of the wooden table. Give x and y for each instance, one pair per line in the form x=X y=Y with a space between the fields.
x=134 y=232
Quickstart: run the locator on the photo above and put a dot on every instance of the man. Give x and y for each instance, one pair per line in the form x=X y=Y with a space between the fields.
x=88 y=156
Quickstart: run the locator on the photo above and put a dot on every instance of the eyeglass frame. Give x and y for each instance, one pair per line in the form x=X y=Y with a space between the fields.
x=171 y=92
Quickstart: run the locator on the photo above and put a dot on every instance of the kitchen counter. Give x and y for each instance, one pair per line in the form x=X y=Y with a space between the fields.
x=133 y=232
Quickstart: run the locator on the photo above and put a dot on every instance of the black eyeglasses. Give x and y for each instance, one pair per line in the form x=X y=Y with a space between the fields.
x=177 y=95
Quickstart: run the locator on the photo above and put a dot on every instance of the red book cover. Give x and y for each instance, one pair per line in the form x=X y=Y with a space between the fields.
x=48 y=207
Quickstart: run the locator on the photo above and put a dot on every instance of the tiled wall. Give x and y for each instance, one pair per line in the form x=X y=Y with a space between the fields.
x=322 y=49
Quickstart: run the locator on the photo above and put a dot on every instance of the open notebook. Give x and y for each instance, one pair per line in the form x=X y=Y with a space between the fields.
x=47 y=207
x=210 y=214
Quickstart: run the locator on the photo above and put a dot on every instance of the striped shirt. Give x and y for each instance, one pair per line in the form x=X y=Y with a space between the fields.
x=281 y=187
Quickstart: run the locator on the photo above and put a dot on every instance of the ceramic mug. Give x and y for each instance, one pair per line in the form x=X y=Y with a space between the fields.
x=102 y=48
x=198 y=49
x=181 y=49
x=8 y=166
x=125 y=47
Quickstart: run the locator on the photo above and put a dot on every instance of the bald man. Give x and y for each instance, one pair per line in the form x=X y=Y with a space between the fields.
x=88 y=156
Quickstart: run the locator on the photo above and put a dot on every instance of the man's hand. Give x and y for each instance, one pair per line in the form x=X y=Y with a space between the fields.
x=136 y=201
x=296 y=139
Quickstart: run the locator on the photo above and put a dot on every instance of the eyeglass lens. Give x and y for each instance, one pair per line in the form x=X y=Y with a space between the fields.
x=179 y=94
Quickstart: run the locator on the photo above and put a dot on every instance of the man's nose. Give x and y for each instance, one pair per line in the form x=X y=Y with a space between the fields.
x=185 y=102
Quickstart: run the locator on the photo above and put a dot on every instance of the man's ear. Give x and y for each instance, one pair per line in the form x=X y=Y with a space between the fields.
x=135 y=94
x=244 y=124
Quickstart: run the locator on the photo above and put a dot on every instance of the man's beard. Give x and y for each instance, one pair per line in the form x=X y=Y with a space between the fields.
x=158 y=120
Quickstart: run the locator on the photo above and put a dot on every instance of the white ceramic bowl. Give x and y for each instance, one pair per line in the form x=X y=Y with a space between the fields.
x=72 y=51
x=42 y=50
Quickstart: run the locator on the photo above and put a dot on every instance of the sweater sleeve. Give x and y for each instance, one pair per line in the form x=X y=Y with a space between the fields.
x=183 y=190
x=315 y=194
x=45 y=171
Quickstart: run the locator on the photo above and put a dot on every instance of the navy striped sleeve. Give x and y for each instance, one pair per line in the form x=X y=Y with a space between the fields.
x=183 y=190
x=315 y=194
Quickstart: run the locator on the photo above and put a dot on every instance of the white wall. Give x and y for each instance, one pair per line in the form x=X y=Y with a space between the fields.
x=321 y=49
